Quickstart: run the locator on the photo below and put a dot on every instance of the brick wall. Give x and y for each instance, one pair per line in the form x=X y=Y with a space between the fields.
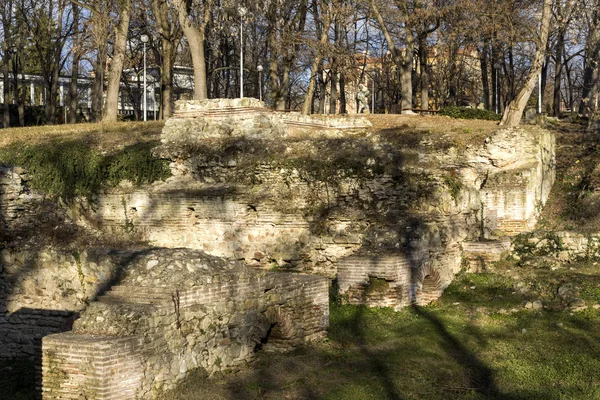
x=175 y=310
x=396 y=280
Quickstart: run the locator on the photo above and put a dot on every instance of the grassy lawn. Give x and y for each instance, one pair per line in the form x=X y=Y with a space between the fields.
x=99 y=136
x=469 y=345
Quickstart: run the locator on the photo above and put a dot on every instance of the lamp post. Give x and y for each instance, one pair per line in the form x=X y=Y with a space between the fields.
x=540 y=93
x=373 y=92
x=242 y=12
x=497 y=67
x=260 y=70
x=144 y=39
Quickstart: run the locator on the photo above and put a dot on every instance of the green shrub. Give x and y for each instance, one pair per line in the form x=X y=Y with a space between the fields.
x=470 y=113
x=69 y=169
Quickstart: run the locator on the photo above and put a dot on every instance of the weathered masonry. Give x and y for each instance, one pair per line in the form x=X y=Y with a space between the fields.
x=175 y=310
x=391 y=216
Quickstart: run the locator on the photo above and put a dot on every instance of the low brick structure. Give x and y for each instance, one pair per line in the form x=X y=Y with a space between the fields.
x=481 y=254
x=397 y=280
x=174 y=310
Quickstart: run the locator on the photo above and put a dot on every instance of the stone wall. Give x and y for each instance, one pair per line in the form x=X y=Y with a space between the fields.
x=42 y=291
x=519 y=178
x=417 y=202
x=175 y=310
x=304 y=193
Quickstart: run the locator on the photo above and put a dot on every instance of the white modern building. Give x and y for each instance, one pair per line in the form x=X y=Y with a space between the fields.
x=130 y=96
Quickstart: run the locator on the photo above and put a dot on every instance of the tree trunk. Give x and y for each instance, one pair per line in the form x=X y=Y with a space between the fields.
x=424 y=77
x=52 y=92
x=322 y=88
x=406 y=74
x=111 y=107
x=166 y=80
x=343 y=105
x=310 y=91
x=98 y=86
x=569 y=83
x=73 y=94
x=514 y=112
x=284 y=87
x=195 y=37
x=484 y=64
x=590 y=72
x=453 y=76
x=21 y=106
x=6 y=90
x=19 y=93
x=333 y=94
x=7 y=21
x=560 y=44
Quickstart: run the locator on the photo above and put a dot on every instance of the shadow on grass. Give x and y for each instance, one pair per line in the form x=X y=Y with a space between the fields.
x=480 y=376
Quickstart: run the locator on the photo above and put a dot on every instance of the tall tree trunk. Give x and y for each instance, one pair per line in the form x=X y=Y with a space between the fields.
x=343 y=106
x=514 y=112
x=485 y=83
x=284 y=87
x=98 y=85
x=406 y=86
x=166 y=80
x=558 y=66
x=453 y=76
x=52 y=93
x=312 y=83
x=322 y=89
x=424 y=76
x=19 y=93
x=7 y=20
x=333 y=93
x=590 y=72
x=544 y=73
x=571 y=94
x=73 y=93
x=195 y=36
x=111 y=107
x=6 y=89
x=160 y=9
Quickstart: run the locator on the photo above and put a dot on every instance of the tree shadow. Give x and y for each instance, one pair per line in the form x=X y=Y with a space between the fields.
x=480 y=376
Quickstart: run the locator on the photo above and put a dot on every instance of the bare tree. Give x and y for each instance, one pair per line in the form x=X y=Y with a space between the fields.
x=398 y=14
x=193 y=18
x=50 y=24
x=6 y=9
x=286 y=20
x=514 y=112
x=168 y=29
x=322 y=16
x=111 y=106
x=591 y=72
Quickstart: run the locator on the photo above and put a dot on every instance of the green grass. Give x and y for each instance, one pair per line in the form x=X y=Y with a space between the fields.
x=72 y=168
x=462 y=347
x=470 y=113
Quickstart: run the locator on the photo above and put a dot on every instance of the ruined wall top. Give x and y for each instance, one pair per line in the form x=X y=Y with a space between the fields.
x=196 y=120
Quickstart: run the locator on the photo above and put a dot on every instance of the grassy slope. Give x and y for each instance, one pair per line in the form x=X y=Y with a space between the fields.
x=97 y=136
x=575 y=200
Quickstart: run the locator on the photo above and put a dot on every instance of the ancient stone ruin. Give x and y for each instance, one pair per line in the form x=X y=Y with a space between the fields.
x=257 y=196
x=174 y=310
